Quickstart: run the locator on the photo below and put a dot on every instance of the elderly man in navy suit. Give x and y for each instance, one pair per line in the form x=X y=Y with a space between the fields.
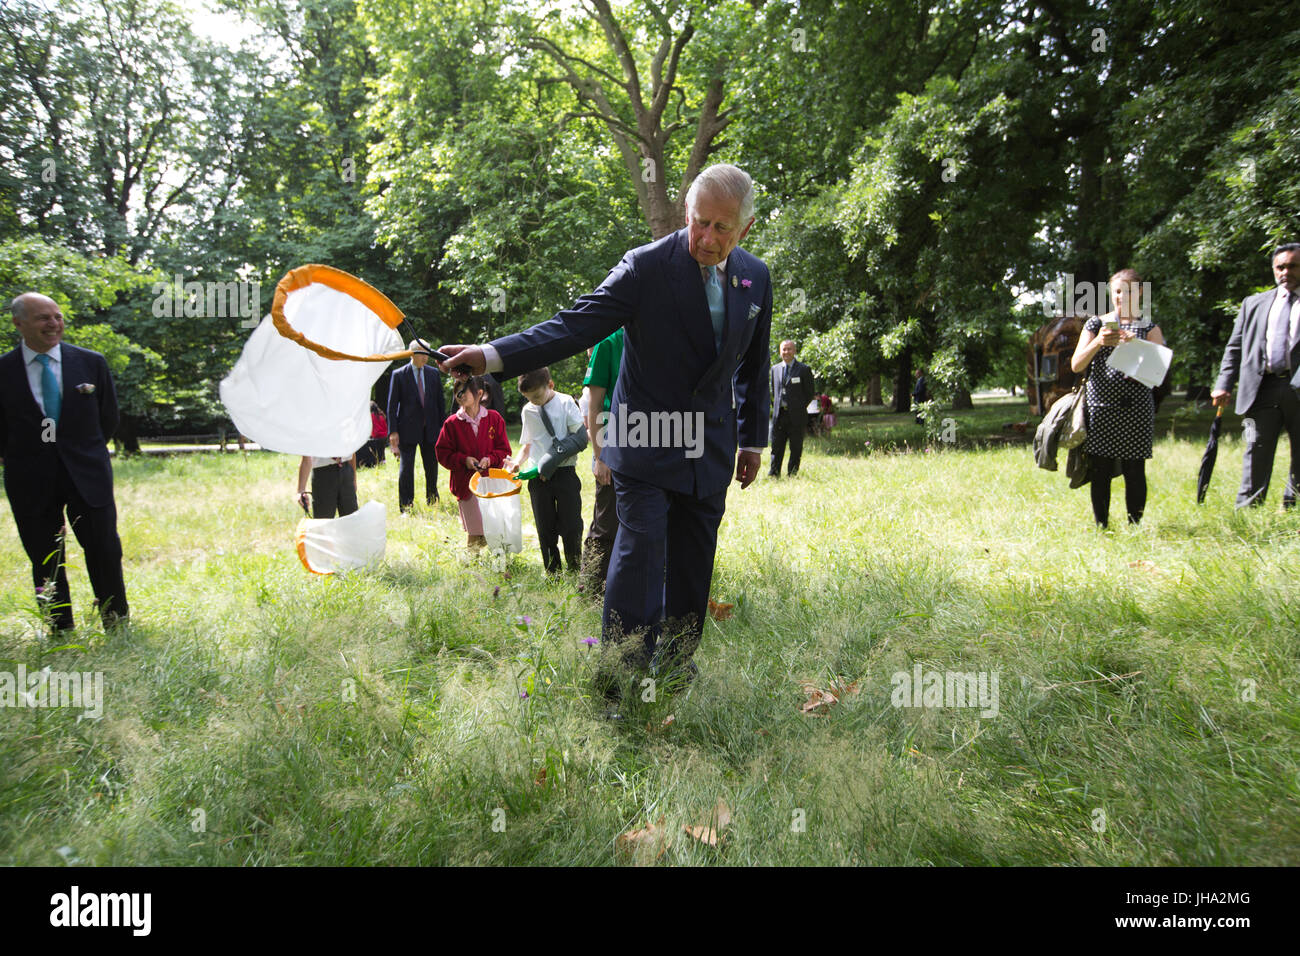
x=57 y=411
x=1264 y=352
x=696 y=310
x=416 y=411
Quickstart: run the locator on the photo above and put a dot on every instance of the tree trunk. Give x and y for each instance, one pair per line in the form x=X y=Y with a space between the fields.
x=961 y=399
x=873 y=390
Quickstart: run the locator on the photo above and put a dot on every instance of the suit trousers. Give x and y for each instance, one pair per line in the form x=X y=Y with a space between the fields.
x=41 y=533
x=600 y=538
x=333 y=489
x=557 y=510
x=788 y=423
x=406 y=472
x=1275 y=407
x=657 y=591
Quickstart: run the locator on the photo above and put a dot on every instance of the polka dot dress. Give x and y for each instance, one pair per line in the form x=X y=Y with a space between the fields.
x=1121 y=412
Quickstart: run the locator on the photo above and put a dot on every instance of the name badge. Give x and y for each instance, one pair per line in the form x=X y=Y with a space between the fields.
x=794 y=380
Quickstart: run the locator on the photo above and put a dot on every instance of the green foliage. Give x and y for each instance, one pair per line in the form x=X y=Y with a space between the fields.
x=80 y=284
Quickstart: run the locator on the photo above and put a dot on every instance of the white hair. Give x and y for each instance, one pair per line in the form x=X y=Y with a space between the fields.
x=724 y=181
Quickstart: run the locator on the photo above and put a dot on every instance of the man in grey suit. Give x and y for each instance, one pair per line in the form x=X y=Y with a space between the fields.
x=1264 y=353
x=792 y=388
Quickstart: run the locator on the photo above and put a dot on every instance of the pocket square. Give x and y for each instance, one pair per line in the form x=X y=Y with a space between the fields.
x=86 y=388
x=753 y=310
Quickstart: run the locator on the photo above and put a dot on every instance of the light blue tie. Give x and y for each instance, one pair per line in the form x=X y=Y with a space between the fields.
x=50 y=390
x=717 y=311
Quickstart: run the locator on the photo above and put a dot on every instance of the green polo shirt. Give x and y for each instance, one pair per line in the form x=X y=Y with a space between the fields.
x=602 y=370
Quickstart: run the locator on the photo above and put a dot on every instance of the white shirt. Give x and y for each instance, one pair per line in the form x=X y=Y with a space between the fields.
x=1275 y=328
x=565 y=417
x=35 y=370
x=325 y=462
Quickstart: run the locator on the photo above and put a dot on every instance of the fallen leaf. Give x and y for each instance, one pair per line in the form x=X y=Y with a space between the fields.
x=720 y=611
x=651 y=837
x=703 y=834
x=723 y=814
x=819 y=701
x=540 y=779
x=663 y=725
x=712 y=834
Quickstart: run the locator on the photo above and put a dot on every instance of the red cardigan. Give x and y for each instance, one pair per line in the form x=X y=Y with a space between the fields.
x=457 y=439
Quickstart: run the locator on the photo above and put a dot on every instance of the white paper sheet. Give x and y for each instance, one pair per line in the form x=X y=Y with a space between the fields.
x=1141 y=360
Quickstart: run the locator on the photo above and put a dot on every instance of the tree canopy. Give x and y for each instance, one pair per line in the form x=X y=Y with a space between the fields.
x=923 y=170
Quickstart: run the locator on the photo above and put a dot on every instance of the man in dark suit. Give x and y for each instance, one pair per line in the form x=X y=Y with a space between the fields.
x=416 y=411
x=58 y=409
x=696 y=311
x=792 y=388
x=1264 y=353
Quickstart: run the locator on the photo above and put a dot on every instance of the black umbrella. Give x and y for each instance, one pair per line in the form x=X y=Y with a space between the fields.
x=1209 y=458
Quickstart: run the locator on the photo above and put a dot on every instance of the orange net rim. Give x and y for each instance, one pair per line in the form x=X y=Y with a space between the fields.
x=495 y=473
x=348 y=284
x=300 y=543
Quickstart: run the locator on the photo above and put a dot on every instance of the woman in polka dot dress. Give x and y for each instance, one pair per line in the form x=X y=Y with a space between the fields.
x=1120 y=410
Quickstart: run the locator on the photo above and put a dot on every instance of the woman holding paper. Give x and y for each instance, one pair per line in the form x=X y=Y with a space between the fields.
x=1120 y=410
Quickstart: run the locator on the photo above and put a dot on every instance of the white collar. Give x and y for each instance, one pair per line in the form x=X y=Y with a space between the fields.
x=29 y=353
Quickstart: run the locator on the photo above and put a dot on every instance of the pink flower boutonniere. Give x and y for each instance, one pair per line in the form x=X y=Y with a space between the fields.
x=86 y=388
x=746 y=283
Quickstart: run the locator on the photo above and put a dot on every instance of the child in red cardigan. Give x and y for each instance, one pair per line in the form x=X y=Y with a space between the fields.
x=473 y=439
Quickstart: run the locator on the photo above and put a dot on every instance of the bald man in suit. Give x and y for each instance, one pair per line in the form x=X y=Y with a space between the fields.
x=58 y=410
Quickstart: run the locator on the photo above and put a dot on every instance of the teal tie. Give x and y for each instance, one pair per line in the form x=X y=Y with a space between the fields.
x=50 y=390
x=717 y=311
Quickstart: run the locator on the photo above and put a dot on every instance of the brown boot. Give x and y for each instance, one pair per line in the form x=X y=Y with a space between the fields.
x=477 y=541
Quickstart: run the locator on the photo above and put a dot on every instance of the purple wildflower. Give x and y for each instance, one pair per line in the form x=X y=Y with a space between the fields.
x=590 y=641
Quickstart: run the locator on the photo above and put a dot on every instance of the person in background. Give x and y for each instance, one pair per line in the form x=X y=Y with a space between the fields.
x=1264 y=352
x=415 y=413
x=58 y=409
x=494 y=396
x=920 y=393
x=557 y=501
x=598 y=387
x=473 y=439
x=792 y=389
x=1120 y=411
x=372 y=453
x=333 y=485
